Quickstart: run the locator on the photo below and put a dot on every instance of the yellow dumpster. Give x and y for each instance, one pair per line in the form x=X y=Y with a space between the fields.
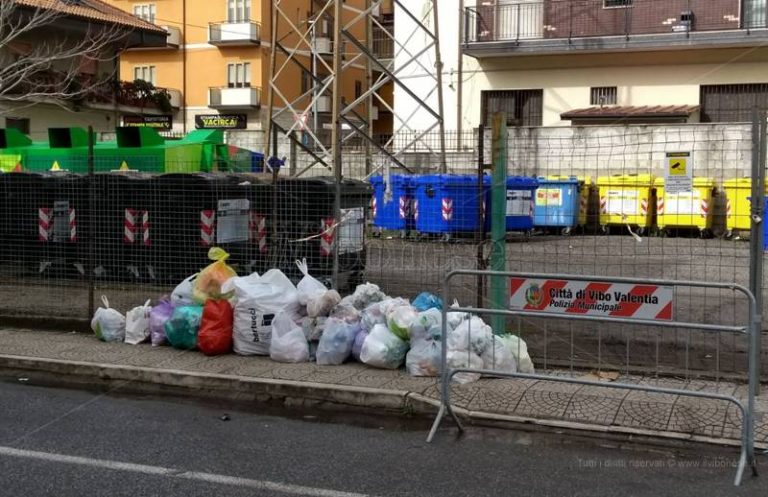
x=585 y=184
x=691 y=209
x=625 y=199
x=737 y=209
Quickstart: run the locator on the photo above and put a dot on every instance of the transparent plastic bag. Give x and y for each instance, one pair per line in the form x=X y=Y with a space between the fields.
x=498 y=357
x=157 y=318
x=336 y=342
x=519 y=350
x=424 y=358
x=182 y=294
x=108 y=324
x=288 y=342
x=383 y=349
x=464 y=359
x=137 y=324
x=471 y=334
x=208 y=284
x=181 y=330
x=400 y=319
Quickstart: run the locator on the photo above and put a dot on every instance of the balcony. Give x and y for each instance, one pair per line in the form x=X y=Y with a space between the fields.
x=383 y=44
x=238 y=34
x=234 y=98
x=589 y=26
x=172 y=42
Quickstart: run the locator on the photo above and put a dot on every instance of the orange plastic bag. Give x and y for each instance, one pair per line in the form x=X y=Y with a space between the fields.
x=215 y=335
x=208 y=282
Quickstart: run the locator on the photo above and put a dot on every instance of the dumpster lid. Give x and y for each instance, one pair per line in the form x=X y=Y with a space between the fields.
x=522 y=182
x=626 y=179
x=396 y=178
x=12 y=138
x=449 y=179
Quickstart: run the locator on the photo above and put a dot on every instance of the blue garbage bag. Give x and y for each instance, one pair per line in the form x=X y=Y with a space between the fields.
x=426 y=300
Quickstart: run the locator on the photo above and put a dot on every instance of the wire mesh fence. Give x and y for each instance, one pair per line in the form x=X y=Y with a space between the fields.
x=599 y=207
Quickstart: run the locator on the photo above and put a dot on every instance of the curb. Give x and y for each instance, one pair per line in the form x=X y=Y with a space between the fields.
x=293 y=394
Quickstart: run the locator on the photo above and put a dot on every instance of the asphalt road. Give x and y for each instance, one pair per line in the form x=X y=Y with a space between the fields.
x=57 y=442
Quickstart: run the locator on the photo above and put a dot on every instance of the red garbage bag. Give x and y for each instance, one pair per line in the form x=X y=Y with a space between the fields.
x=215 y=335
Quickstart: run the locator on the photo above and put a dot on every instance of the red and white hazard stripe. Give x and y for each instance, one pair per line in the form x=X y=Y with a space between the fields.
x=603 y=205
x=660 y=206
x=327 y=236
x=621 y=300
x=207 y=227
x=44 y=223
x=583 y=206
x=374 y=207
x=145 y=238
x=728 y=208
x=447 y=209
x=72 y=225
x=259 y=231
x=415 y=210
x=404 y=207
x=644 y=207
x=129 y=226
x=704 y=208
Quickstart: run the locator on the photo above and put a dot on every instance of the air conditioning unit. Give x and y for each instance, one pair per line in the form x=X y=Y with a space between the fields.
x=323 y=45
x=323 y=103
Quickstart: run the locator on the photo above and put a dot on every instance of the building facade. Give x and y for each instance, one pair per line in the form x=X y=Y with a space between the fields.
x=218 y=59
x=577 y=62
x=73 y=79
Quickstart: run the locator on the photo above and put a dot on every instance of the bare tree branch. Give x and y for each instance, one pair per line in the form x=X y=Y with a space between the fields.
x=44 y=59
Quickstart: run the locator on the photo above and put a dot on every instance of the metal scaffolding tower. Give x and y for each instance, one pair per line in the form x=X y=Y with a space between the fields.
x=339 y=38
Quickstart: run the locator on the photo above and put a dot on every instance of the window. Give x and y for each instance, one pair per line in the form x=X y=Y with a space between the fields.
x=147 y=73
x=523 y=107
x=602 y=95
x=732 y=103
x=18 y=123
x=306 y=81
x=239 y=75
x=238 y=10
x=145 y=11
x=607 y=4
x=358 y=89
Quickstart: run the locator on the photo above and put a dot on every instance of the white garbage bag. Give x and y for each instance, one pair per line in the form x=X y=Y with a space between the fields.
x=519 y=350
x=365 y=295
x=428 y=325
x=108 y=324
x=137 y=324
x=257 y=301
x=322 y=304
x=377 y=313
x=400 y=319
x=424 y=358
x=308 y=288
x=471 y=334
x=454 y=319
x=382 y=349
x=288 y=343
x=182 y=294
x=498 y=357
x=464 y=359
x=336 y=342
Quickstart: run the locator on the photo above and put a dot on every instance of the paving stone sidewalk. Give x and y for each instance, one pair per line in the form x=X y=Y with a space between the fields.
x=591 y=407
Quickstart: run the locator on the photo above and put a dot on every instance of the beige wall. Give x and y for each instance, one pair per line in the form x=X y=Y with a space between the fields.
x=663 y=81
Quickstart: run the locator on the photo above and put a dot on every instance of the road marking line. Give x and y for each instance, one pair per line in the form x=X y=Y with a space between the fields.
x=285 y=488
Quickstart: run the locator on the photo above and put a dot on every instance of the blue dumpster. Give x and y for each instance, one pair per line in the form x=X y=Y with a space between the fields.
x=520 y=194
x=397 y=214
x=557 y=203
x=447 y=203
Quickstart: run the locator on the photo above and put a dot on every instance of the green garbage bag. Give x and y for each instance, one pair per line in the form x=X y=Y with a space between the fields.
x=181 y=329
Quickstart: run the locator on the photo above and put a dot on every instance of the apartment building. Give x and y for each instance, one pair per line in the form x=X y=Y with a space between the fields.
x=217 y=59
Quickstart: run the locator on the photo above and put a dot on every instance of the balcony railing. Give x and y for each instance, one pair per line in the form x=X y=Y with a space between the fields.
x=383 y=44
x=234 y=33
x=234 y=98
x=564 y=19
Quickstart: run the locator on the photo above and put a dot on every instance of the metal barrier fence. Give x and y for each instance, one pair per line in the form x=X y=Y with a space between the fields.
x=750 y=329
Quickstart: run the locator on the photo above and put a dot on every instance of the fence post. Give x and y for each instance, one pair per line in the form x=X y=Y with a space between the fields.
x=499 y=219
x=757 y=229
x=481 y=213
x=91 y=226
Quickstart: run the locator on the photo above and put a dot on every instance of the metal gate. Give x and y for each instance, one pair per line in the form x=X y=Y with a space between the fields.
x=551 y=301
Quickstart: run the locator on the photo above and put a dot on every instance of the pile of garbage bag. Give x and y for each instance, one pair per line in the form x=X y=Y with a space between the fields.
x=217 y=312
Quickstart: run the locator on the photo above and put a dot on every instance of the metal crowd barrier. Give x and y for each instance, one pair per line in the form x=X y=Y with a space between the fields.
x=751 y=330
